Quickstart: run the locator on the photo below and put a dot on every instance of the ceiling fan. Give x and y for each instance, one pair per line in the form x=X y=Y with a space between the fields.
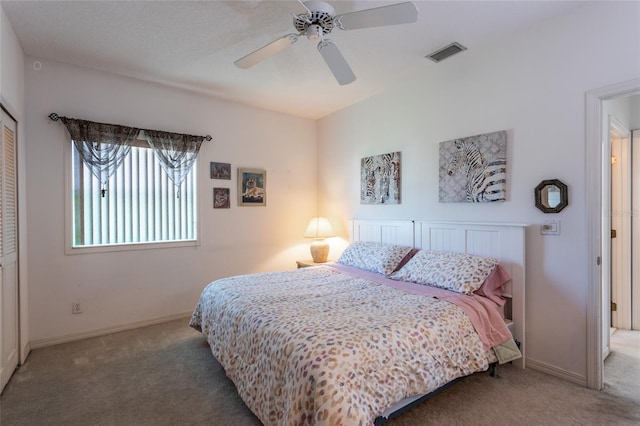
x=320 y=20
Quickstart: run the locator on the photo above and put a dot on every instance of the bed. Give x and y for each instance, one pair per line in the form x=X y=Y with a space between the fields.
x=353 y=342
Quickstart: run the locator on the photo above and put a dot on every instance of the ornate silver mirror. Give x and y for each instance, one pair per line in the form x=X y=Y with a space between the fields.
x=551 y=196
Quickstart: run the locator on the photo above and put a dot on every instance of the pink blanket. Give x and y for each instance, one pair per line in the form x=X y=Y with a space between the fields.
x=484 y=308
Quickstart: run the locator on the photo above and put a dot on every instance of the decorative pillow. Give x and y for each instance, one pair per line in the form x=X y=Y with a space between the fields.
x=459 y=272
x=382 y=258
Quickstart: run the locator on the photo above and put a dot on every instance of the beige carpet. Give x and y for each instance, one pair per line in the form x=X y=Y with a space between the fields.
x=166 y=375
x=622 y=366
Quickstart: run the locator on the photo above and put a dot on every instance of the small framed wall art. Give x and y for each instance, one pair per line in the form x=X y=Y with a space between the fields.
x=221 y=198
x=220 y=171
x=474 y=169
x=252 y=187
x=380 y=179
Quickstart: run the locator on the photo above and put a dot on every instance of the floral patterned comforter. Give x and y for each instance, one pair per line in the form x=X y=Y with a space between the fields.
x=317 y=346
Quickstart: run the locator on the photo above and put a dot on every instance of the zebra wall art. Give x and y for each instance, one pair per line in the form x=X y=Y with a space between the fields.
x=380 y=179
x=474 y=169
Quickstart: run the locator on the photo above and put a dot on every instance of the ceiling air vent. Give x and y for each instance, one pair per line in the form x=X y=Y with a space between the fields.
x=446 y=51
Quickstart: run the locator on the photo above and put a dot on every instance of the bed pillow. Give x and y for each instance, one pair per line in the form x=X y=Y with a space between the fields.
x=382 y=258
x=459 y=272
x=493 y=286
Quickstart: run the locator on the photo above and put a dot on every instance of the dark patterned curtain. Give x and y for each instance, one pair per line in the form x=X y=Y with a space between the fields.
x=102 y=147
x=176 y=152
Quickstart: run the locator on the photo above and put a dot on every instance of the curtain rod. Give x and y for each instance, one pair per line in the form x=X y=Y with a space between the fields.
x=55 y=117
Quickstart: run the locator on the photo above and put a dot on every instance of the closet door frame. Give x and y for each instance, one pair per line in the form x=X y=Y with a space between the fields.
x=9 y=276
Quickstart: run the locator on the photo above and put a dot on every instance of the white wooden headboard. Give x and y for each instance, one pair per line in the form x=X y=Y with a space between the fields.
x=401 y=232
x=503 y=241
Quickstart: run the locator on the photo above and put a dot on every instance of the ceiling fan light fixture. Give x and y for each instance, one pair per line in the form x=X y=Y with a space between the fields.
x=314 y=32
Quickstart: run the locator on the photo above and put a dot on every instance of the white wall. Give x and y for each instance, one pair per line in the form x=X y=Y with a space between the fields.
x=122 y=288
x=12 y=97
x=11 y=67
x=533 y=85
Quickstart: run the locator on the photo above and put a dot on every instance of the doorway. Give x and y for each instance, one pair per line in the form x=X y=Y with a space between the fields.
x=598 y=225
x=623 y=170
x=624 y=337
x=635 y=227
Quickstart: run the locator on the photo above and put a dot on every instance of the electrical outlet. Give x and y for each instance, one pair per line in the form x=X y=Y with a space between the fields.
x=76 y=308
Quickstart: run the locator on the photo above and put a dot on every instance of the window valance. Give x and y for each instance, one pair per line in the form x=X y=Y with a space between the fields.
x=103 y=147
x=176 y=152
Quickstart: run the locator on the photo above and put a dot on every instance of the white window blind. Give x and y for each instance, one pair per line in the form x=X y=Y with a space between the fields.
x=140 y=205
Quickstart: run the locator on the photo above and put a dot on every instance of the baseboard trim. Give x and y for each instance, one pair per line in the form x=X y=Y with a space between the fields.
x=24 y=353
x=42 y=343
x=556 y=372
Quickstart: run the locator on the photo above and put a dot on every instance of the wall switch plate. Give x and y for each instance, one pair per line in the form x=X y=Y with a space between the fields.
x=550 y=227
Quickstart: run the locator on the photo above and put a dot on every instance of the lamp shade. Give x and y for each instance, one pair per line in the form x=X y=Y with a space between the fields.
x=319 y=227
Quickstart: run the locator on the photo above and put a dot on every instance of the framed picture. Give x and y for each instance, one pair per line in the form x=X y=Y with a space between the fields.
x=252 y=187
x=380 y=179
x=220 y=171
x=474 y=169
x=221 y=199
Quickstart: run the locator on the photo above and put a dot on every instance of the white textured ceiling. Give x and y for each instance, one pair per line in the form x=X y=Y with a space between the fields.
x=192 y=44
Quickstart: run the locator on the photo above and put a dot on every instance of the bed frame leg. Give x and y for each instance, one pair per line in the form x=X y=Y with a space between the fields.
x=493 y=370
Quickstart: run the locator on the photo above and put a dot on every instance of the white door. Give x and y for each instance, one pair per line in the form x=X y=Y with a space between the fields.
x=621 y=212
x=8 y=250
x=635 y=271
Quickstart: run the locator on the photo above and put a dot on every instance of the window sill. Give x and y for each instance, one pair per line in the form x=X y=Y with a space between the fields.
x=130 y=247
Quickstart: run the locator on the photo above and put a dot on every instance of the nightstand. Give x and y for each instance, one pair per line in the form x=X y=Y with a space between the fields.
x=309 y=262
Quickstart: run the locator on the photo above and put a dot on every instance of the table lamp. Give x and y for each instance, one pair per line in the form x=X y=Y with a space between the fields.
x=319 y=228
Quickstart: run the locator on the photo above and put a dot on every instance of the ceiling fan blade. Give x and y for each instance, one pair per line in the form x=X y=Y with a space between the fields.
x=267 y=51
x=394 y=14
x=336 y=62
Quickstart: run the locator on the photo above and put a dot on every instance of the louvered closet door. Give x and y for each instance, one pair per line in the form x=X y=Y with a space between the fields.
x=8 y=250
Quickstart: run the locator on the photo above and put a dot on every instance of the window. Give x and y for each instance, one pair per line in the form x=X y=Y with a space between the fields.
x=129 y=187
x=140 y=204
